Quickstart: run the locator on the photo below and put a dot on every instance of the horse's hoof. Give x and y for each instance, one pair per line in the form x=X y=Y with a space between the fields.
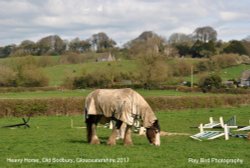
x=128 y=143
x=111 y=143
x=95 y=142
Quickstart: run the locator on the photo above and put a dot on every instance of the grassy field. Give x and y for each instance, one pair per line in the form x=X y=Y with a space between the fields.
x=52 y=138
x=85 y=92
x=58 y=73
x=233 y=72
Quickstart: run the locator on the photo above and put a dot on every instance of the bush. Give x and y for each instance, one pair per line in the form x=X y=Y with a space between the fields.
x=226 y=60
x=182 y=68
x=27 y=89
x=207 y=83
x=45 y=61
x=8 y=77
x=95 y=79
x=71 y=106
x=31 y=76
x=203 y=66
x=71 y=58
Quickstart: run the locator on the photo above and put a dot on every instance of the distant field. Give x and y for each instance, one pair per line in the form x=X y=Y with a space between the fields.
x=52 y=138
x=233 y=72
x=58 y=73
x=84 y=92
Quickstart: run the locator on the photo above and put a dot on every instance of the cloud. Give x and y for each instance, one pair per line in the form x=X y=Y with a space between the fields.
x=122 y=20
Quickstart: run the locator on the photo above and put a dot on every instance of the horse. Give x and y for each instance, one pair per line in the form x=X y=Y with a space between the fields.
x=121 y=106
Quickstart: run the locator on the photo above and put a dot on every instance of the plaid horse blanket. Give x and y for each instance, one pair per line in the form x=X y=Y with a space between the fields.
x=123 y=104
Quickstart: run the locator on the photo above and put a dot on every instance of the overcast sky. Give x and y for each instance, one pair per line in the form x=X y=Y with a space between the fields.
x=122 y=20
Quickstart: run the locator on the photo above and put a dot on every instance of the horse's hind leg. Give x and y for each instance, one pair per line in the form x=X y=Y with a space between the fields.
x=91 y=122
x=127 y=137
x=113 y=136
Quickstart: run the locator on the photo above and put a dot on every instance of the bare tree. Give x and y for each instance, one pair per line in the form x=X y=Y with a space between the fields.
x=205 y=34
x=179 y=38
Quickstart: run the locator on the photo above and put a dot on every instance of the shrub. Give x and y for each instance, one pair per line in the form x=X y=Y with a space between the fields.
x=207 y=83
x=45 y=61
x=71 y=58
x=31 y=76
x=226 y=60
x=94 y=79
x=8 y=77
x=182 y=68
x=71 y=106
x=203 y=66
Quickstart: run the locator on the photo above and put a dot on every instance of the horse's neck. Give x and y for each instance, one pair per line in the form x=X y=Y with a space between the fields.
x=148 y=117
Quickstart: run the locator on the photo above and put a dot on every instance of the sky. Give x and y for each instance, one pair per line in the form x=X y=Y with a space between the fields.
x=121 y=20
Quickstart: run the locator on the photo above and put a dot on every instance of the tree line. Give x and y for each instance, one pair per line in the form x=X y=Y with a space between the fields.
x=201 y=43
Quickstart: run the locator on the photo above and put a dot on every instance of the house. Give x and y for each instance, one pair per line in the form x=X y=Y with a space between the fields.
x=245 y=78
x=106 y=58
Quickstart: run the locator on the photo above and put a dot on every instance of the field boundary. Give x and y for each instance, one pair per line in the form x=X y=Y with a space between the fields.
x=72 y=106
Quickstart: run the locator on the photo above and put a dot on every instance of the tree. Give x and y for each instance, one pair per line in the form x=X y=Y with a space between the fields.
x=51 y=45
x=101 y=41
x=153 y=69
x=7 y=50
x=147 y=42
x=77 y=45
x=201 y=49
x=26 y=48
x=235 y=47
x=205 y=34
x=179 y=38
x=183 y=49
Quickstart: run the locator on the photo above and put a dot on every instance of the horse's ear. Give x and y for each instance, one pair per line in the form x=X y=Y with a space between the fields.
x=156 y=124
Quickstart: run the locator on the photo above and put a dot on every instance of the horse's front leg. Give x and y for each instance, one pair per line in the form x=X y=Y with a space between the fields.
x=91 y=123
x=94 y=137
x=127 y=137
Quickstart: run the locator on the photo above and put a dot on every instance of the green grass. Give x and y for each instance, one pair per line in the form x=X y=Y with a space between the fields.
x=233 y=72
x=58 y=73
x=52 y=137
x=85 y=92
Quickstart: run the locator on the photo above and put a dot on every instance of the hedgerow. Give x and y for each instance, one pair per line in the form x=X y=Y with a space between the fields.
x=71 y=106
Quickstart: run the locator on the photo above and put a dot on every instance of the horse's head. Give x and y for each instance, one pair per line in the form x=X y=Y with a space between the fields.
x=153 y=134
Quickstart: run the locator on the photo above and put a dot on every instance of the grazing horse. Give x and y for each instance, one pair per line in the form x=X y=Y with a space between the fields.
x=122 y=106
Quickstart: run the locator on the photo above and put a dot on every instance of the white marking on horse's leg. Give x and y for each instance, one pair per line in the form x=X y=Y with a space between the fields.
x=121 y=132
x=94 y=137
x=142 y=131
x=112 y=138
x=127 y=137
x=111 y=124
x=157 y=139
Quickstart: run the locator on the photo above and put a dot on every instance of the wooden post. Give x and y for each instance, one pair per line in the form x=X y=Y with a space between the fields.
x=71 y=123
x=248 y=135
x=211 y=120
x=226 y=131
x=201 y=128
x=192 y=76
x=222 y=122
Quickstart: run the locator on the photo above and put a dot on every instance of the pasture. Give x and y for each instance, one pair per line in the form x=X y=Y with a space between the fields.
x=53 y=138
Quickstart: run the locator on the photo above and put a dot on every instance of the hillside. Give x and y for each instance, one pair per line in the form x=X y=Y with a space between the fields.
x=57 y=72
